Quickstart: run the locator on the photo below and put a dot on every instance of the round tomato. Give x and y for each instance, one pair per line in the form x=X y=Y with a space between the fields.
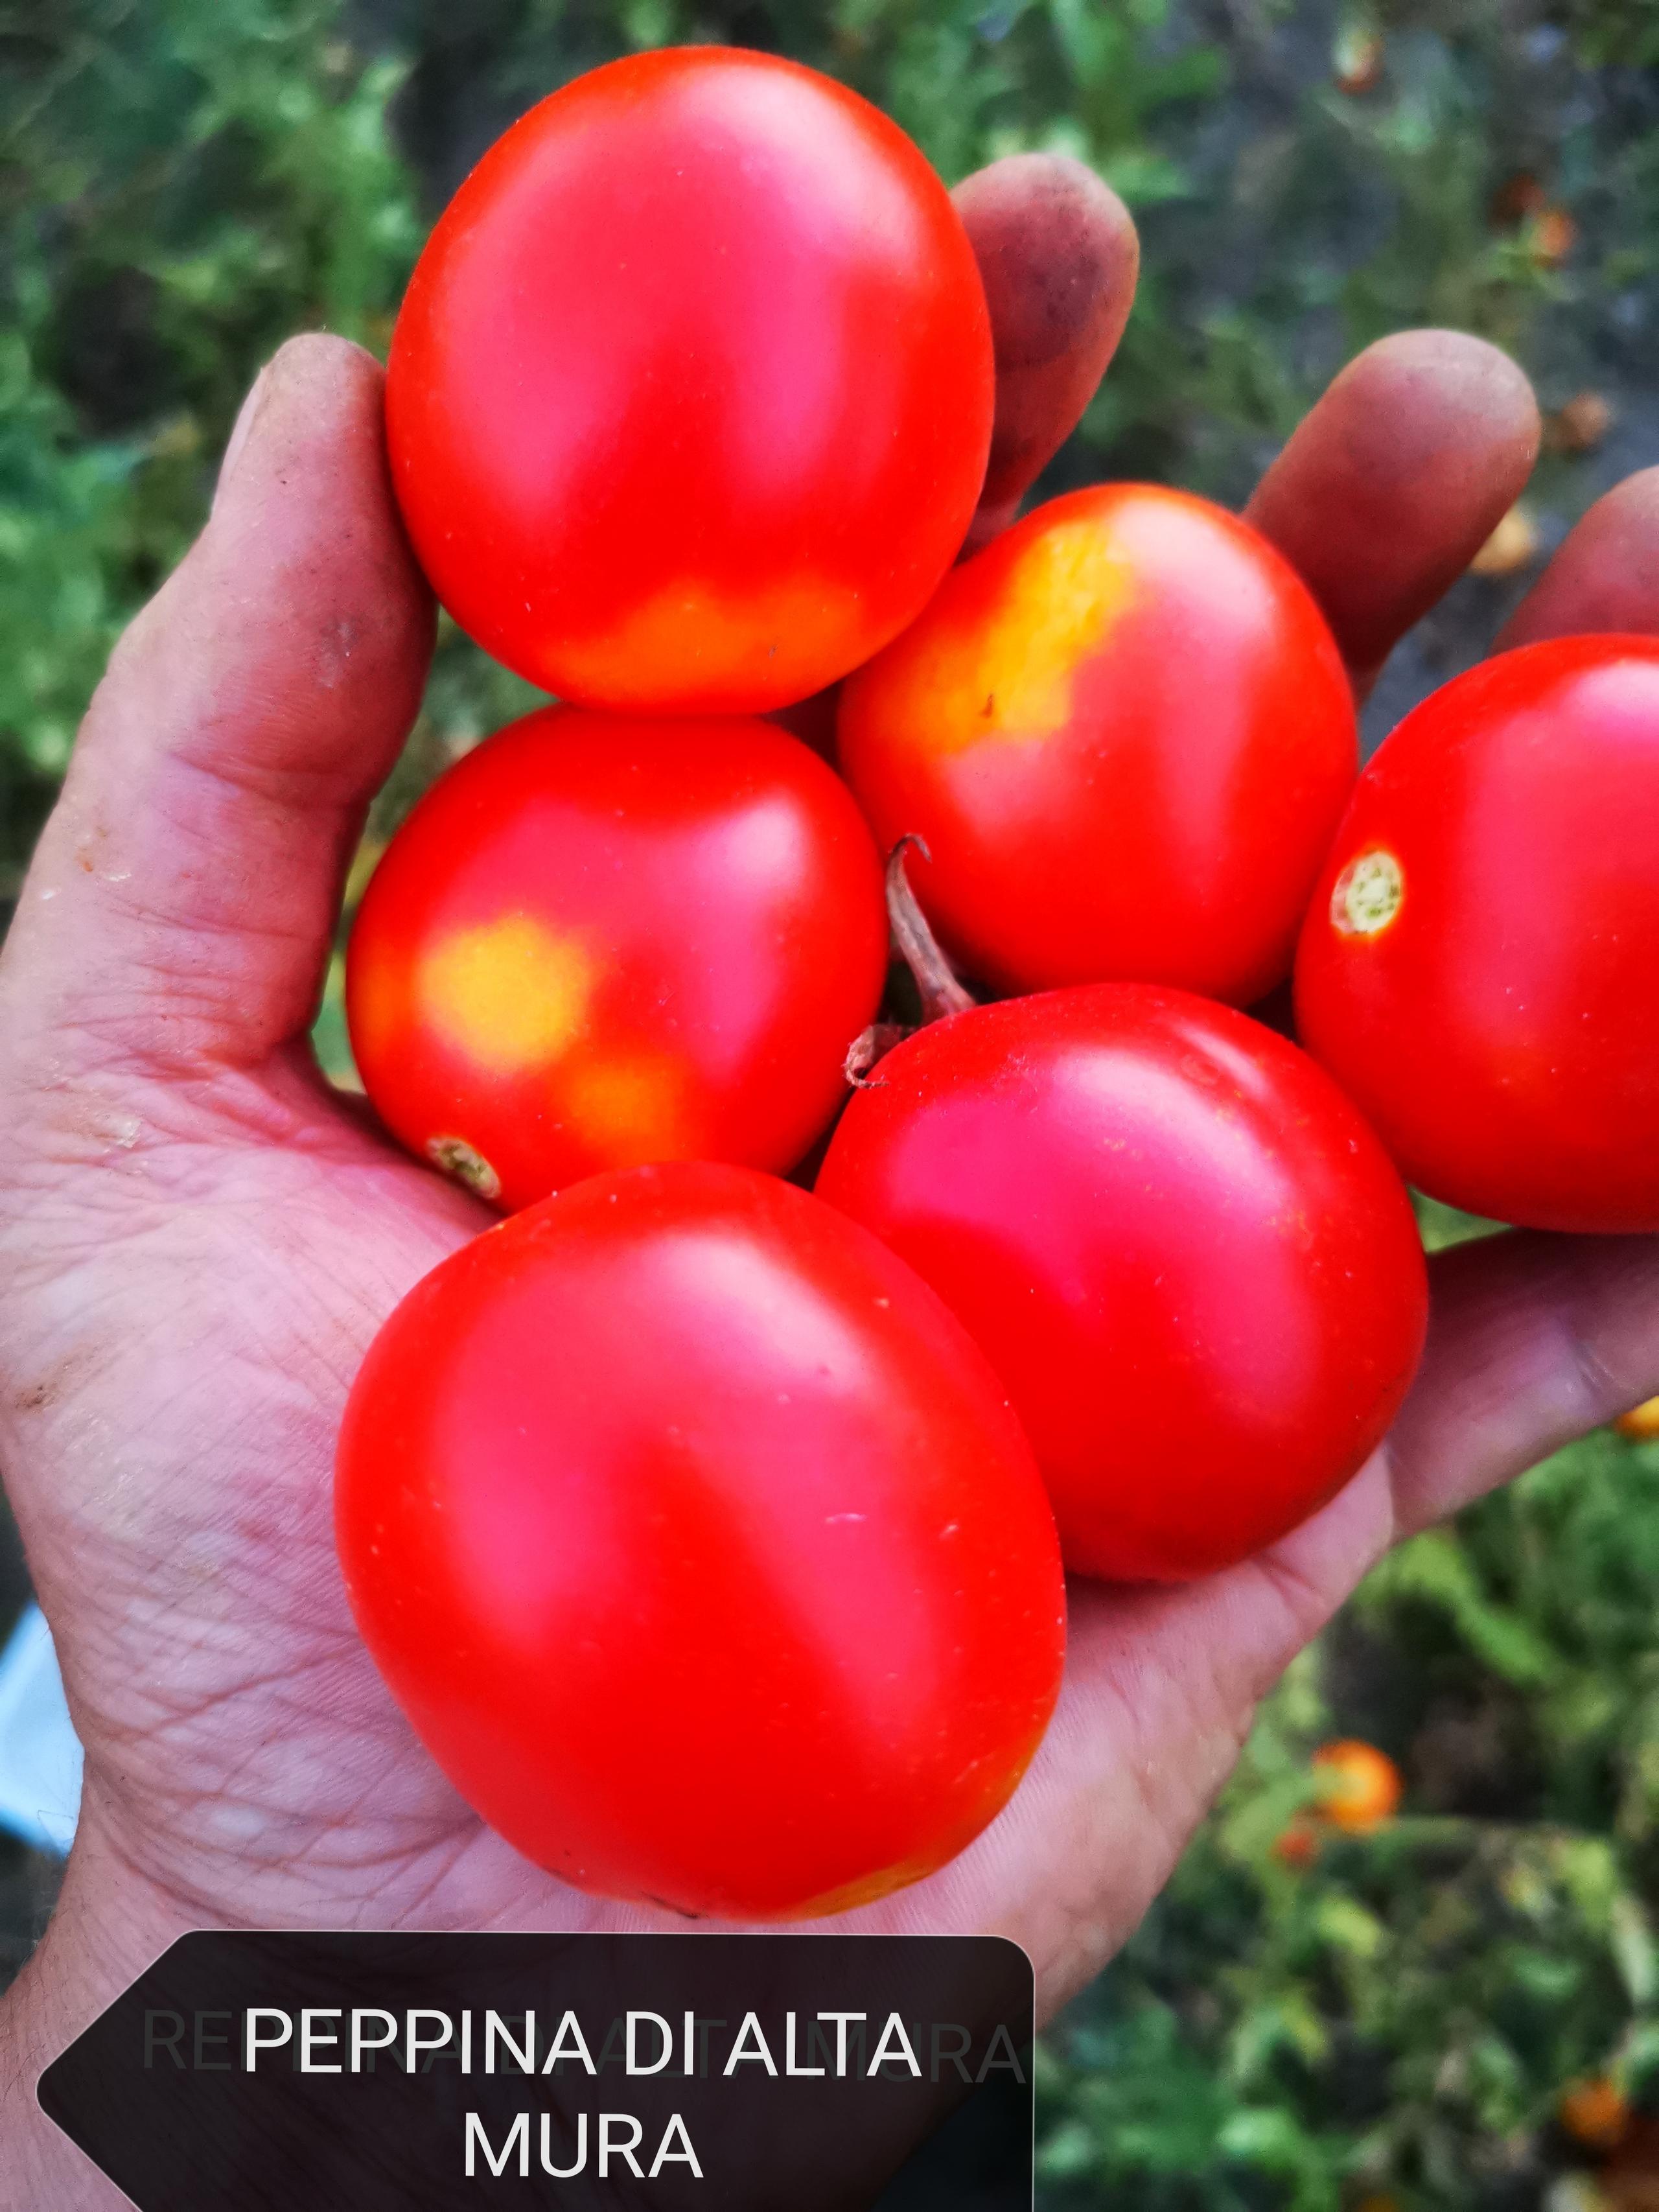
x=689 y=398
x=597 y=941
x=1359 y=1786
x=700 y=1546
x=1124 y=736
x=1479 y=967
x=1187 y=1256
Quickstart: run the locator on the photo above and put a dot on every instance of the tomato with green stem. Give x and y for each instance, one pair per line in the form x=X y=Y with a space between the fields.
x=1124 y=734
x=1185 y=1253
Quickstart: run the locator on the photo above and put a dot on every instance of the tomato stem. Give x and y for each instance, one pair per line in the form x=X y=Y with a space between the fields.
x=868 y=1048
x=936 y=986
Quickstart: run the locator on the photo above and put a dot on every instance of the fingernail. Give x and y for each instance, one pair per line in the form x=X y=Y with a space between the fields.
x=246 y=414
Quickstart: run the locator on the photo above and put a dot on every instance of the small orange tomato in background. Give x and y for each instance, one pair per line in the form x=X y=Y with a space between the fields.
x=1641 y=1423
x=599 y=941
x=1296 y=1845
x=1514 y=544
x=1596 y=2112
x=1359 y=1786
x=1551 y=235
x=1124 y=736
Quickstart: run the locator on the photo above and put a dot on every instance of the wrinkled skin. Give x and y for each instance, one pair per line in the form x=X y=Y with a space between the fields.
x=197 y=1239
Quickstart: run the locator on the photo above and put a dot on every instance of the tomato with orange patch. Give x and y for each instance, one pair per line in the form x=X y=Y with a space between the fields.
x=689 y=398
x=1124 y=736
x=599 y=941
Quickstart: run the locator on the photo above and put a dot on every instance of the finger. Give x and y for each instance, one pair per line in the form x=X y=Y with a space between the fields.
x=1605 y=576
x=180 y=906
x=1535 y=1340
x=1057 y=251
x=1396 y=479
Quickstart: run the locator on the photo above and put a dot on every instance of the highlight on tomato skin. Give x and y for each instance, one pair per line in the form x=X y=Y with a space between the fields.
x=601 y=940
x=1124 y=735
x=1480 y=964
x=700 y=1546
x=689 y=399
x=1180 y=1248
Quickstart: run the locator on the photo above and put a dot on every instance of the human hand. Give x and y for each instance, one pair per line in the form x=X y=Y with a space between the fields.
x=199 y=1237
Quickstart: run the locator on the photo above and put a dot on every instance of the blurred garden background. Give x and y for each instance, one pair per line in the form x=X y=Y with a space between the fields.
x=1456 y=2007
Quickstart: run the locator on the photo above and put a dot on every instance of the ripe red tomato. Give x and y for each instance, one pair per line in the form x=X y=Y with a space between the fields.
x=598 y=941
x=1124 y=734
x=1479 y=967
x=1186 y=1255
x=691 y=396
x=699 y=1544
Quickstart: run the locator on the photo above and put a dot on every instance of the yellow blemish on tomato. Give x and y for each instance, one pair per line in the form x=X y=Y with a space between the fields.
x=509 y=994
x=1012 y=676
x=1368 y=895
x=631 y=1110
x=698 y=645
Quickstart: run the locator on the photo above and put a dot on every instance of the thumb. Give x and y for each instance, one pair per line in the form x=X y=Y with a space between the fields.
x=1058 y=253
x=180 y=908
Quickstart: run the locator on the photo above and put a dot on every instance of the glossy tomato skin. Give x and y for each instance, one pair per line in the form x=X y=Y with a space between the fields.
x=1184 y=1251
x=689 y=398
x=1480 y=965
x=600 y=941
x=1125 y=735
x=699 y=1544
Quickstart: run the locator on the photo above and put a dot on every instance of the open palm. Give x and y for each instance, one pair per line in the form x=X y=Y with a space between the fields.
x=199 y=1237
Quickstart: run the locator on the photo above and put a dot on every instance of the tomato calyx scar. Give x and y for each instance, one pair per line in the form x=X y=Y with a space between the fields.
x=1368 y=894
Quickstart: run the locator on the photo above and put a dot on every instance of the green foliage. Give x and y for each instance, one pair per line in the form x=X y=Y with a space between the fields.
x=181 y=185
x=1623 y=33
x=1398 y=2019
x=1401 y=2016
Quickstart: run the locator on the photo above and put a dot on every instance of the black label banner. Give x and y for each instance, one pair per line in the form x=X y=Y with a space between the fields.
x=622 y=2073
